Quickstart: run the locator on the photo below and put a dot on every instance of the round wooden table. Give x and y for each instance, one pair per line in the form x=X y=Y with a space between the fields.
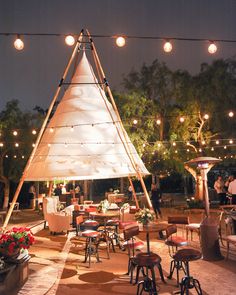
x=153 y=227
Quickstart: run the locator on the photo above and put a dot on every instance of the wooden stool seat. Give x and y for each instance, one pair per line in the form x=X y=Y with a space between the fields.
x=187 y=254
x=90 y=234
x=176 y=241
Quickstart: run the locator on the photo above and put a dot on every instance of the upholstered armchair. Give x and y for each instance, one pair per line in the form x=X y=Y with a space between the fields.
x=49 y=206
x=59 y=222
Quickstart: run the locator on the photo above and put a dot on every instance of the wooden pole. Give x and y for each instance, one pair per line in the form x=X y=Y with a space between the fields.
x=125 y=143
x=41 y=132
x=134 y=193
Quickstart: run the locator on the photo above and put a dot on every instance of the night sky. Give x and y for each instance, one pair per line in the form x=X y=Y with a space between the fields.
x=32 y=75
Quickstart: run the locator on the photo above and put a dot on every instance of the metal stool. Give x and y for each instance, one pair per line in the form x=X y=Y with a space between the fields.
x=174 y=242
x=188 y=282
x=89 y=231
x=146 y=262
x=112 y=227
x=132 y=245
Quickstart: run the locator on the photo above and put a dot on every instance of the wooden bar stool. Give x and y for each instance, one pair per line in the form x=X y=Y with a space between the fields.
x=88 y=229
x=188 y=282
x=147 y=262
x=132 y=245
x=174 y=242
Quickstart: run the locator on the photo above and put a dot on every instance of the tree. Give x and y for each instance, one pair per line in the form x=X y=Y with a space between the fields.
x=15 y=147
x=157 y=92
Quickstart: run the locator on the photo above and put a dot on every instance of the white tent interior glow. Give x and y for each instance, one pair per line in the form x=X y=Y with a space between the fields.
x=84 y=138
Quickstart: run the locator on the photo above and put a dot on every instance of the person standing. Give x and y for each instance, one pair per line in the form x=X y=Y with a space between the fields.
x=31 y=196
x=219 y=187
x=232 y=189
x=57 y=190
x=130 y=193
x=156 y=195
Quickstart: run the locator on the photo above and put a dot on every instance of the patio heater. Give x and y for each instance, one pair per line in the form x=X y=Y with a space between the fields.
x=209 y=232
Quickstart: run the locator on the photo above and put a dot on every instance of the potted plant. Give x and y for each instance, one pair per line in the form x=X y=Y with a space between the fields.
x=103 y=206
x=144 y=216
x=15 y=240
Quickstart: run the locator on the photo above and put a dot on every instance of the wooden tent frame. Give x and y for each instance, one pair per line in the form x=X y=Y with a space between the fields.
x=103 y=81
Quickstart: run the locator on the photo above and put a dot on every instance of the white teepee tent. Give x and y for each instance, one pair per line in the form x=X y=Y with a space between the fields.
x=85 y=138
x=81 y=140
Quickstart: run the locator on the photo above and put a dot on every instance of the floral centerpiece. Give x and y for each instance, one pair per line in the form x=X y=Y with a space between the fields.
x=144 y=216
x=103 y=206
x=14 y=240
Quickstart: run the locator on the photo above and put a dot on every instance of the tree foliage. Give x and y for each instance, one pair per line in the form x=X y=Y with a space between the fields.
x=157 y=92
x=15 y=149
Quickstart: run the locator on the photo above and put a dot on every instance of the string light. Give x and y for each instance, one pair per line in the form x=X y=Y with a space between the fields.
x=217 y=142
x=212 y=48
x=231 y=141
x=70 y=40
x=15 y=133
x=1 y=144
x=33 y=145
x=158 y=121
x=135 y=122
x=34 y=132
x=18 y=43
x=181 y=119
x=51 y=130
x=16 y=144
x=225 y=147
x=206 y=116
x=167 y=47
x=231 y=114
x=120 y=41
x=212 y=149
x=203 y=142
x=174 y=143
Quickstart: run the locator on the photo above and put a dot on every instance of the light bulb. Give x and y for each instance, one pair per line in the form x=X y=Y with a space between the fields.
x=231 y=114
x=51 y=130
x=225 y=147
x=16 y=144
x=34 y=132
x=158 y=121
x=69 y=40
x=167 y=47
x=135 y=121
x=1 y=144
x=203 y=142
x=181 y=119
x=217 y=142
x=14 y=133
x=174 y=144
x=120 y=41
x=212 y=48
x=231 y=141
x=206 y=116
x=18 y=43
x=212 y=149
